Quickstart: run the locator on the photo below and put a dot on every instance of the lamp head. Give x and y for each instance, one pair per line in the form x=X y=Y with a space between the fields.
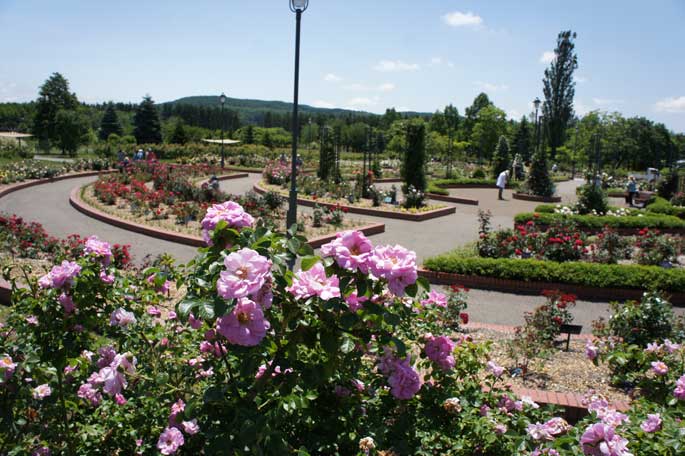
x=222 y=98
x=537 y=102
x=298 y=5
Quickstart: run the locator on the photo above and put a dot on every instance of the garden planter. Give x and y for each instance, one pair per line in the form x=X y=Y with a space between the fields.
x=539 y=199
x=180 y=238
x=536 y=287
x=417 y=217
x=452 y=199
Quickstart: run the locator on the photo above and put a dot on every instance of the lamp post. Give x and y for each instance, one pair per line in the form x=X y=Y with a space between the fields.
x=537 y=102
x=297 y=7
x=222 y=100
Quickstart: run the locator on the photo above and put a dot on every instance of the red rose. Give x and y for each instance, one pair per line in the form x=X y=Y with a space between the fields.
x=464 y=318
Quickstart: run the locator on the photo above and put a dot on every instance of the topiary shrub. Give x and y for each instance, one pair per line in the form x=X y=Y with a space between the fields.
x=539 y=183
x=592 y=198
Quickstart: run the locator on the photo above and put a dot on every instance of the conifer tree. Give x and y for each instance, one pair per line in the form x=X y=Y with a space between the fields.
x=54 y=96
x=414 y=166
x=179 y=135
x=539 y=182
x=110 y=124
x=501 y=159
x=522 y=141
x=146 y=121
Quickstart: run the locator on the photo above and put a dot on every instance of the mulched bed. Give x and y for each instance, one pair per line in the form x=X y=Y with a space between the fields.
x=567 y=372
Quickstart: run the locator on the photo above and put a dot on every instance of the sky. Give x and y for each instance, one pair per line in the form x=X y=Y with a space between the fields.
x=365 y=55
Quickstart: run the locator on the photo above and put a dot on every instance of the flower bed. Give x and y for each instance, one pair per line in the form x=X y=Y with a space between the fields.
x=366 y=207
x=36 y=169
x=180 y=197
x=346 y=356
x=595 y=223
x=528 y=197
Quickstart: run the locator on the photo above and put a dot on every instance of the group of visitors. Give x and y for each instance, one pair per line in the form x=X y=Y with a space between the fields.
x=140 y=155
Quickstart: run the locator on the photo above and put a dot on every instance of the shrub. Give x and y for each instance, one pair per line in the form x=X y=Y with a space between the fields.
x=678 y=199
x=478 y=173
x=656 y=249
x=597 y=223
x=414 y=163
x=610 y=247
x=413 y=198
x=592 y=198
x=659 y=205
x=572 y=272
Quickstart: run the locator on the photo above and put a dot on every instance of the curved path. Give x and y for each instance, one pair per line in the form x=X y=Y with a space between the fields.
x=49 y=205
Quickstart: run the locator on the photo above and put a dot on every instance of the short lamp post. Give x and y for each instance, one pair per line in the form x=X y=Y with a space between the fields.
x=222 y=100
x=297 y=7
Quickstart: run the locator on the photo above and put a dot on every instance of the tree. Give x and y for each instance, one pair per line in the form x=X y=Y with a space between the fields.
x=72 y=130
x=522 y=143
x=147 y=128
x=490 y=125
x=451 y=116
x=326 y=155
x=267 y=140
x=539 y=183
x=247 y=135
x=559 y=90
x=54 y=96
x=501 y=159
x=471 y=113
x=180 y=135
x=413 y=167
x=109 y=124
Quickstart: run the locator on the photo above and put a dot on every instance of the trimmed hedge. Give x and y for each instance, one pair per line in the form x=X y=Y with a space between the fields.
x=663 y=206
x=571 y=272
x=598 y=222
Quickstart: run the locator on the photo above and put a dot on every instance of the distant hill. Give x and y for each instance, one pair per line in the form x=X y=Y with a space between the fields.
x=247 y=107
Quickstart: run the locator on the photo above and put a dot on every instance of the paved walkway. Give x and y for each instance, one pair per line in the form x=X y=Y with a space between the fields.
x=49 y=205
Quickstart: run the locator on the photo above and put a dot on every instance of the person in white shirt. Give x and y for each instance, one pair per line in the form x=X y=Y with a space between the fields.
x=502 y=182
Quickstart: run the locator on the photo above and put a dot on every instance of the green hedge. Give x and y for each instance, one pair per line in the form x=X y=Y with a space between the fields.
x=571 y=272
x=662 y=206
x=597 y=222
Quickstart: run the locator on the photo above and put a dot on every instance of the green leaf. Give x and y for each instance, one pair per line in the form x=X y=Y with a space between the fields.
x=329 y=342
x=411 y=290
x=186 y=306
x=308 y=262
x=401 y=348
x=347 y=345
x=206 y=309
x=423 y=283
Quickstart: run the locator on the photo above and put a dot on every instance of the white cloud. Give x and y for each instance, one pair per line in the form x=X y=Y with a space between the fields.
x=491 y=87
x=673 y=104
x=331 y=77
x=450 y=64
x=606 y=101
x=547 y=57
x=395 y=65
x=323 y=104
x=403 y=109
x=386 y=87
x=436 y=61
x=459 y=19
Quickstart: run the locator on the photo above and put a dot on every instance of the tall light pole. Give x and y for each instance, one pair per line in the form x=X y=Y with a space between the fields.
x=297 y=7
x=537 y=102
x=222 y=99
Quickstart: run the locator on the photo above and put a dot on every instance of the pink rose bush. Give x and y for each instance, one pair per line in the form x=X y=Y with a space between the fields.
x=230 y=212
x=256 y=357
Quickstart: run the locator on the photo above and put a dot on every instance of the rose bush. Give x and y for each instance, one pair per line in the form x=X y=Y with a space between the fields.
x=346 y=355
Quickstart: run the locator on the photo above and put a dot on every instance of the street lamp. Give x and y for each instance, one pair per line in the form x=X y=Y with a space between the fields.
x=222 y=100
x=297 y=7
x=537 y=102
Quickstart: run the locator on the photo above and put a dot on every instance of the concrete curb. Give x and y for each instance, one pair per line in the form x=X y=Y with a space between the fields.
x=538 y=199
x=452 y=199
x=374 y=212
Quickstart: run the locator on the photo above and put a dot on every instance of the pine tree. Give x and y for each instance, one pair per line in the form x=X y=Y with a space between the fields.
x=146 y=121
x=559 y=90
x=414 y=166
x=539 y=182
x=326 y=156
x=247 y=136
x=109 y=124
x=501 y=159
x=522 y=143
x=54 y=97
x=179 y=135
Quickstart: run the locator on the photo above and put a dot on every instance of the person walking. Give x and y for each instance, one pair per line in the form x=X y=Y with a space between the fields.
x=502 y=182
x=632 y=191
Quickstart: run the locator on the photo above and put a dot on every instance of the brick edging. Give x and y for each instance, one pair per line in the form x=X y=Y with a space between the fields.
x=536 y=287
x=452 y=199
x=186 y=239
x=374 y=212
x=537 y=199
